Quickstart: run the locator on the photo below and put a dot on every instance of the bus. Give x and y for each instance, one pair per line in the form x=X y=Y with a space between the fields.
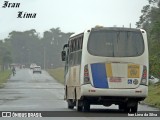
x=105 y=66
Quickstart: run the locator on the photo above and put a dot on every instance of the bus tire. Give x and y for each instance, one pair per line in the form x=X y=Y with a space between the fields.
x=86 y=106
x=126 y=108
x=79 y=105
x=66 y=97
x=134 y=108
x=121 y=107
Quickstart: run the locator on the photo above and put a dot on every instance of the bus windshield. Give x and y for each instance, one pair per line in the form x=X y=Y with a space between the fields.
x=115 y=43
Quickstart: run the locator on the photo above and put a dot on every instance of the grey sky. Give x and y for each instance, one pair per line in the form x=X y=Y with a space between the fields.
x=69 y=15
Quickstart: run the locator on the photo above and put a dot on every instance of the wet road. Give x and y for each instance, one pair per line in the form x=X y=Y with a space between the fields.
x=28 y=91
x=40 y=92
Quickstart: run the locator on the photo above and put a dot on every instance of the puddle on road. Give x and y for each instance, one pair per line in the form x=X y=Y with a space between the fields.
x=11 y=80
x=9 y=93
x=4 y=100
x=41 y=81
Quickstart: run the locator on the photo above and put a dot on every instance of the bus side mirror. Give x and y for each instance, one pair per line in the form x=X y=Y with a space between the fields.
x=63 y=55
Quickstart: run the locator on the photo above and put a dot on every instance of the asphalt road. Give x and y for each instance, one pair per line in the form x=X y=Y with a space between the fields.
x=40 y=92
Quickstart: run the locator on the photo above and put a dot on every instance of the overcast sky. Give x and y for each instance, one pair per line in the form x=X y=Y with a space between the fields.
x=69 y=15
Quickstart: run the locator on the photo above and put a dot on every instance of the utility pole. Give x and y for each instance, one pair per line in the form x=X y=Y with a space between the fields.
x=44 y=59
x=29 y=54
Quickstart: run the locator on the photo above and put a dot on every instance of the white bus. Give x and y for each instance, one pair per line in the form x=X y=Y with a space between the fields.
x=105 y=66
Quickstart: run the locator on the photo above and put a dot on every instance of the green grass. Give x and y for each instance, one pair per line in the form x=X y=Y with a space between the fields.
x=58 y=74
x=153 y=98
x=4 y=75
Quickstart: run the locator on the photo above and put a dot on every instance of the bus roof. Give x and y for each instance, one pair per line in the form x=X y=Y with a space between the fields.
x=107 y=28
x=116 y=28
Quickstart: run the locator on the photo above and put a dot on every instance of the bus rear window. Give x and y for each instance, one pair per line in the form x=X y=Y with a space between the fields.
x=112 y=43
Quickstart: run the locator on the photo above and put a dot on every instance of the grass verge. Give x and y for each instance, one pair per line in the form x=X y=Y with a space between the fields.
x=153 y=98
x=4 y=75
x=58 y=74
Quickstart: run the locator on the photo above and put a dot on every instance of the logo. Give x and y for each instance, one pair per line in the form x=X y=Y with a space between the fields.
x=21 y=114
x=133 y=71
x=129 y=81
x=6 y=114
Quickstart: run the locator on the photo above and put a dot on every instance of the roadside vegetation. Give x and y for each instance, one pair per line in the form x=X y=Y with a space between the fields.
x=153 y=98
x=150 y=21
x=4 y=76
x=58 y=74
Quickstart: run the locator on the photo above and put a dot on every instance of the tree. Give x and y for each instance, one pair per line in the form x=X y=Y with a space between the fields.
x=150 y=21
x=27 y=47
x=5 y=54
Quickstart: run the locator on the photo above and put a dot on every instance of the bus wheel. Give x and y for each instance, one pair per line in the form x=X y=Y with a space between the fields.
x=86 y=106
x=79 y=105
x=126 y=108
x=134 y=108
x=70 y=104
x=121 y=107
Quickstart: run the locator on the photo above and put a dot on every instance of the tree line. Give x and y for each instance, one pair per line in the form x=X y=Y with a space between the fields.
x=28 y=47
x=150 y=21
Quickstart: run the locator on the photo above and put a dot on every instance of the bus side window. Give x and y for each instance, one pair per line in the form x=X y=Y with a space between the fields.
x=77 y=44
x=81 y=42
x=72 y=46
x=70 y=58
x=66 y=64
x=75 y=52
x=69 y=46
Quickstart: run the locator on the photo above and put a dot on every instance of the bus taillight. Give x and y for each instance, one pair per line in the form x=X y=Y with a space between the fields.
x=144 y=76
x=86 y=75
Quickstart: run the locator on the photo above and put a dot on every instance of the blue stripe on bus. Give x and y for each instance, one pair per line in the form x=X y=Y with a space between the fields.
x=99 y=75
